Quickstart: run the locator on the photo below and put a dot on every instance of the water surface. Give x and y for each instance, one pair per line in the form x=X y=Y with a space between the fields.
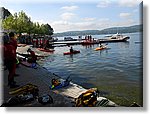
x=117 y=71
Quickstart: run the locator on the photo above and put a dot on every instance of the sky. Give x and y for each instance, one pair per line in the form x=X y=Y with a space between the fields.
x=76 y=15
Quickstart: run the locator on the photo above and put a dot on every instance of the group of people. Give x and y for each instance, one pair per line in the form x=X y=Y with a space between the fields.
x=9 y=57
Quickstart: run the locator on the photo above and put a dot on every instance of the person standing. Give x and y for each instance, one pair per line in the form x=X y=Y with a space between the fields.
x=9 y=60
x=13 y=42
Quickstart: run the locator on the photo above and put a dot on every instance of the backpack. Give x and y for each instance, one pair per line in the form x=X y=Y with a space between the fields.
x=87 y=99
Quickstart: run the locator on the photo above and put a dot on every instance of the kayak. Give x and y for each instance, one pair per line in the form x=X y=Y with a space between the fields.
x=69 y=53
x=46 y=50
x=100 y=48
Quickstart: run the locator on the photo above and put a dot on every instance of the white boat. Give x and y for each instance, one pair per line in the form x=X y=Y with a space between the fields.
x=115 y=38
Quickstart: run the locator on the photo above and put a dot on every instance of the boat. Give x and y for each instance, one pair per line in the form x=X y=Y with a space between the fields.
x=46 y=50
x=69 y=39
x=74 y=52
x=100 y=48
x=115 y=38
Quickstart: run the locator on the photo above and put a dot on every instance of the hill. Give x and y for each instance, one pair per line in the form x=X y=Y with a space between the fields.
x=113 y=30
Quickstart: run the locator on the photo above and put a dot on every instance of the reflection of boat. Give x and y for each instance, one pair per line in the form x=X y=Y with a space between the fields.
x=89 y=42
x=115 y=38
x=69 y=53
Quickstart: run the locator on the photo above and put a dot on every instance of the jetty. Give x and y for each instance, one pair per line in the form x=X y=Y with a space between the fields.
x=90 y=41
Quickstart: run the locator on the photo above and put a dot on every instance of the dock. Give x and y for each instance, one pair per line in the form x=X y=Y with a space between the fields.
x=83 y=42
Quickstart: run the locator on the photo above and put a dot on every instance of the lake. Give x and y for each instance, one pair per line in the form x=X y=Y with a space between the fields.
x=117 y=71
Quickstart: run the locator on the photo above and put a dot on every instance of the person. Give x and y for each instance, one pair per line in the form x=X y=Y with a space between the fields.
x=56 y=83
x=71 y=50
x=9 y=60
x=100 y=45
x=13 y=42
x=46 y=44
x=32 y=59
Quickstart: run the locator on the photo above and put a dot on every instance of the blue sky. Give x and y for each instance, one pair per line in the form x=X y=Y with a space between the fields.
x=69 y=15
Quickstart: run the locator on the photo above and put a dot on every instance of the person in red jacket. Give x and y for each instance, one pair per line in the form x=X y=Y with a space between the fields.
x=13 y=42
x=9 y=53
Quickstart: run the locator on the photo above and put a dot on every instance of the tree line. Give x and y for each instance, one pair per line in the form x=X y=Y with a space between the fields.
x=21 y=23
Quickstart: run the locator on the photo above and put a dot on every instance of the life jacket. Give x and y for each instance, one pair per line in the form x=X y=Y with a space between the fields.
x=13 y=42
x=87 y=99
x=9 y=52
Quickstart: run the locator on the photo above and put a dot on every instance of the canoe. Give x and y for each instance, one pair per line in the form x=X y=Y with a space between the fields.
x=69 y=53
x=46 y=50
x=100 y=48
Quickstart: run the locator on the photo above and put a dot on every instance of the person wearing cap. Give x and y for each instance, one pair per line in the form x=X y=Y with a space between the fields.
x=9 y=53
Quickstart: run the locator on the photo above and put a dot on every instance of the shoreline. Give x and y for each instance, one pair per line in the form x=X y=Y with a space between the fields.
x=41 y=77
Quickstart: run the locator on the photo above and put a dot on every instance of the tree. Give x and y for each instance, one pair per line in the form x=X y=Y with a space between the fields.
x=49 y=29
x=21 y=23
x=7 y=23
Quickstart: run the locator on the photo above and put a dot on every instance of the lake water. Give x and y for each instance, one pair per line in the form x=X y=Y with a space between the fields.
x=117 y=71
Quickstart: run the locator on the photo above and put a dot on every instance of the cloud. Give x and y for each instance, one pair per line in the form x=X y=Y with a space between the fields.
x=127 y=22
x=103 y=4
x=129 y=3
x=125 y=15
x=69 y=8
x=97 y=24
x=88 y=19
x=67 y=16
x=61 y=26
x=41 y=21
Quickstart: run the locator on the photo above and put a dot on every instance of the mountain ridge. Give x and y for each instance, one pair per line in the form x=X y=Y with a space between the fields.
x=112 y=30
